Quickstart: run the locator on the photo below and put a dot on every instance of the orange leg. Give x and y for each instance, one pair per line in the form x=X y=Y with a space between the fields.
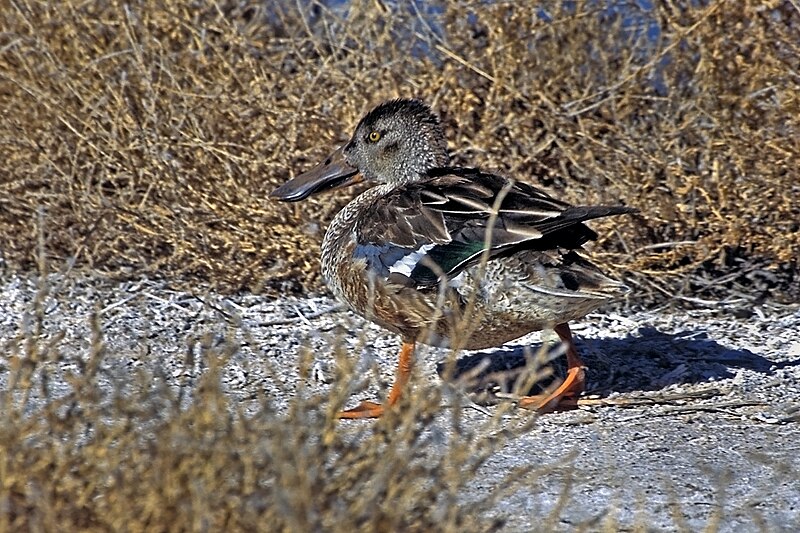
x=566 y=395
x=374 y=410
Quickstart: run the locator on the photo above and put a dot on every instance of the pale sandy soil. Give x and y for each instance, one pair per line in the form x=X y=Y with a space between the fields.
x=721 y=438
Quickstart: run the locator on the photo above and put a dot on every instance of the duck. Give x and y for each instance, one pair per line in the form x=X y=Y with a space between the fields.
x=452 y=256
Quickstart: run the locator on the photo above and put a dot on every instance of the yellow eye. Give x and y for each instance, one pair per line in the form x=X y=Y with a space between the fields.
x=374 y=136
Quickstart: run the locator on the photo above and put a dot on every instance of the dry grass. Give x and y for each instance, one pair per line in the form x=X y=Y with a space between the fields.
x=105 y=454
x=150 y=133
x=146 y=135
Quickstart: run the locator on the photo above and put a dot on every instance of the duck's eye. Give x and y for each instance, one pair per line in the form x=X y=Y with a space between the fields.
x=374 y=136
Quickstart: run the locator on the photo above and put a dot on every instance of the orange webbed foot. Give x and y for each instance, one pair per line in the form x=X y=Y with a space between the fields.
x=375 y=410
x=363 y=410
x=563 y=398
x=566 y=395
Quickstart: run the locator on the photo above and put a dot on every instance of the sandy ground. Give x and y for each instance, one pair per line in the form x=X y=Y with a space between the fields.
x=698 y=408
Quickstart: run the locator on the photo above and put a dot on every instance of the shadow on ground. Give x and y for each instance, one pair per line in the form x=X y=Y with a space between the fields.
x=645 y=360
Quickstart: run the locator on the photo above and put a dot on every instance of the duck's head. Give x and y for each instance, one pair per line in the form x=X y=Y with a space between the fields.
x=397 y=142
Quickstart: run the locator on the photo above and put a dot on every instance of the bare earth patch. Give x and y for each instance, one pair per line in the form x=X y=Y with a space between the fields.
x=690 y=421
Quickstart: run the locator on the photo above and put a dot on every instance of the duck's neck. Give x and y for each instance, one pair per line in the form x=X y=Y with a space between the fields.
x=340 y=239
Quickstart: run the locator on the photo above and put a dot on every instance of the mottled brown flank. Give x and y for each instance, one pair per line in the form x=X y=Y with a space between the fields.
x=497 y=313
x=148 y=139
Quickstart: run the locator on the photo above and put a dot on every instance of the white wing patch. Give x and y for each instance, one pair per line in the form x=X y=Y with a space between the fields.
x=408 y=262
x=457 y=281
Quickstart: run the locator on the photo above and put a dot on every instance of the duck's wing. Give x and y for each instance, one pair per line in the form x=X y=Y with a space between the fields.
x=438 y=227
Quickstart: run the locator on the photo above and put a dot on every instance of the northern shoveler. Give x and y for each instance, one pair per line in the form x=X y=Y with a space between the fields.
x=452 y=256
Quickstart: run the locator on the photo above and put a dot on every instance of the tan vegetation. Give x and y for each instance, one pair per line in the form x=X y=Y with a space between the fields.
x=139 y=455
x=142 y=138
x=150 y=133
